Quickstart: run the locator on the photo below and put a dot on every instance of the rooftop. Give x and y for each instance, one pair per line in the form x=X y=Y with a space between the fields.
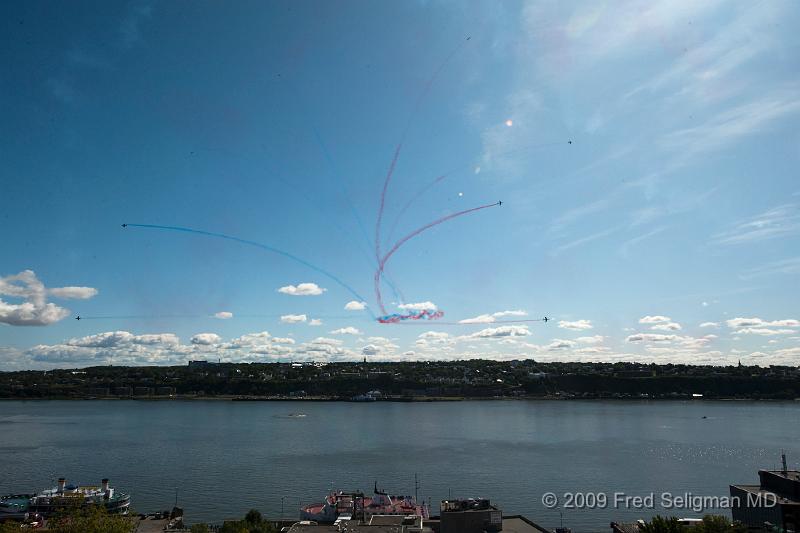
x=793 y=475
x=767 y=495
x=520 y=524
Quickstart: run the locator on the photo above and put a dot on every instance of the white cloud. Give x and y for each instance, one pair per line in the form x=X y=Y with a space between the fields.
x=315 y=322
x=575 y=325
x=560 y=344
x=355 y=306
x=349 y=330
x=326 y=341
x=293 y=319
x=502 y=331
x=35 y=310
x=669 y=326
x=28 y=314
x=73 y=293
x=488 y=319
x=709 y=325
x=651 y=337
x=420 y=306
x=595 y=339
x=370 y=349
x=435 y=337
x=302 y=289
x=517 y=312
x=654 y=319
x=167 y=339
x=764 y=331
x=480 y=319
x=223 y=315
x=206 y=339
x=740 y=322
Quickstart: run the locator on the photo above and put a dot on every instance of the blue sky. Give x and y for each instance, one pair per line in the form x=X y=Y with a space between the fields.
x=668 y=231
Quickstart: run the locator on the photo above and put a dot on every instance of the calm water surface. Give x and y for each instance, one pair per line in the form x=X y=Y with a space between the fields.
x=227 y=457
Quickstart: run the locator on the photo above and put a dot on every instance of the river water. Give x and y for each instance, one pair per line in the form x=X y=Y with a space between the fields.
x=226 y=457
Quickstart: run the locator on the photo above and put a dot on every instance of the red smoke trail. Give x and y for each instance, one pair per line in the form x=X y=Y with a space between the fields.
x=401 y=242
x=452 y=171
x=399 y=146
x=383 y=201
x=425 y=314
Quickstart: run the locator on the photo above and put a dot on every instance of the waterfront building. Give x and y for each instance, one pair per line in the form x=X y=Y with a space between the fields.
x=469 y=516
x=775 y=500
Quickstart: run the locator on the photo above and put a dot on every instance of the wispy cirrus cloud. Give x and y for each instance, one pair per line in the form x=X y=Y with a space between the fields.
x=780 y=221
x=783 y=266
x=729 y=126
x=582 y=240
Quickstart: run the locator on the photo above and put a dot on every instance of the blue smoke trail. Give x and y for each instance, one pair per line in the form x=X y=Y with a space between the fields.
x=345 y=191
x=341 y=182
x=263 y=247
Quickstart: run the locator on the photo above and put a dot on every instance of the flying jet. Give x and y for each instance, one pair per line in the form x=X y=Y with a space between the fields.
x=124 y=225
x=78 y=317
x=500 y=202
x=546 y=319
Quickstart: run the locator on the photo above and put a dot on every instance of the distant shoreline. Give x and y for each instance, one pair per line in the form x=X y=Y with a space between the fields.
x=420 y=399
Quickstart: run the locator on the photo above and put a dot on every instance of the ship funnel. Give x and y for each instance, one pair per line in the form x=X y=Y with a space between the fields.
x=104 y=485
x=62 y=483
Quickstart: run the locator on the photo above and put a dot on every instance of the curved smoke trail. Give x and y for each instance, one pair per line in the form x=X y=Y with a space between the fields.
x=343 y=189
x=257 y=245
x=399 y=146
x=441 y=177
x=401 y=242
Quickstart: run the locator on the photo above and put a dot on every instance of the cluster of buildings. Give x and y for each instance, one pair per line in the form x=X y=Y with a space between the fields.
x=774 y=502
x=455 y=516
